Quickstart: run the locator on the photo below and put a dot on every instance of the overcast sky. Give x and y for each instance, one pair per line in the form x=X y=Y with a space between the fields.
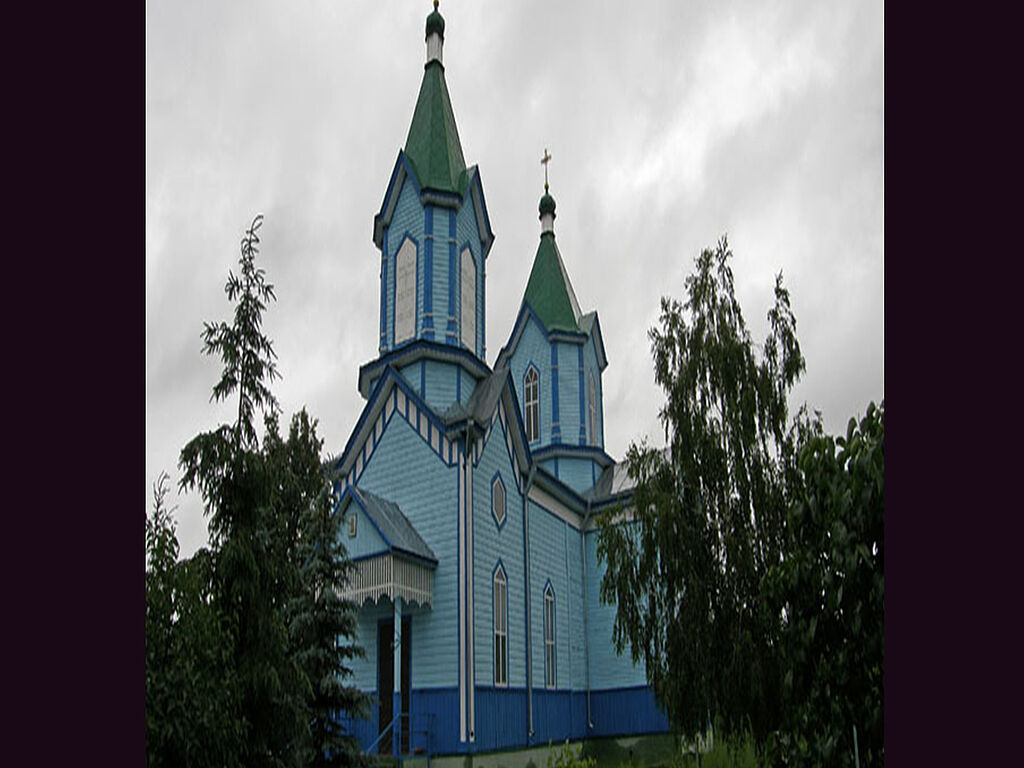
x=669 y=125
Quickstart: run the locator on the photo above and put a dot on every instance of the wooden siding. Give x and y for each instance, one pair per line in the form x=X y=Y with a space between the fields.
x=404 y=469
x=607 y=669
x=489 y=544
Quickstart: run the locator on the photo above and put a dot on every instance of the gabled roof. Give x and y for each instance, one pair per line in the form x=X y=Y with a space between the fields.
x=433 y=146
x=548 y=291
x=392 y=525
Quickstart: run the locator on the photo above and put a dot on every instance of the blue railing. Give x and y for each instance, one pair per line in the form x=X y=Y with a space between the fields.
x=425 y=730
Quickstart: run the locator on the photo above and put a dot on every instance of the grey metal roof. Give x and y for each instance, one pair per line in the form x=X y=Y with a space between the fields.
x=393 y=525
x=612 y=482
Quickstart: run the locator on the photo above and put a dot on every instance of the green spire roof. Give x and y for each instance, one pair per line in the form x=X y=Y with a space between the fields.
x=433 y=145
x=548 y=290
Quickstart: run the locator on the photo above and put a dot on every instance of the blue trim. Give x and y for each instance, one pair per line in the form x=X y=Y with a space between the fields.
x=428 y=272
x=383 y=299
x=548 y=586
x=504 y=497
x=458 y=385
x=489 y=240
x=494 y=636
x=530 y=366
x=556 y=430
x=415 y=349
x=391 y=374
x=423 y=380
x=451 y=334
x=387 y=258
x=574 y=451
x=583 y=431
x=556 y=468
x=381 y=220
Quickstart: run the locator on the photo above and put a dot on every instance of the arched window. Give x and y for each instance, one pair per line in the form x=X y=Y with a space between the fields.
x=549 y=637
x=498 y=500
x=592 y=408
x=500 y=627
x=405 y=291
x=468 y=300
x=532 y=402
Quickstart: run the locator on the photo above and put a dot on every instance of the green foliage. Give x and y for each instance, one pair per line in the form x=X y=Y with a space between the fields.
x=831 y=589
x=191 y=695
x=323 y=625
x=709 y=511
x=261 y=606
x=727 y=752
x=567 y=757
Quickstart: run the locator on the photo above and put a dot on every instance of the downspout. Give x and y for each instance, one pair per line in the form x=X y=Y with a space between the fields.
x=586 y=628
x=468 y=575
x=529 y=633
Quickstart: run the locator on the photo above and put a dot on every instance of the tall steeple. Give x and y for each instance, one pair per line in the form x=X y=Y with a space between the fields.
x=434 y=235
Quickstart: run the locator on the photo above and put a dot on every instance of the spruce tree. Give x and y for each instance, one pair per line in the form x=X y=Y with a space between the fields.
x=323 y=623
x=254 y=576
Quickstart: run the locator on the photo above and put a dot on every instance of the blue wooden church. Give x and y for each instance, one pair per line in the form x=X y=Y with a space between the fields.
x=468 y=492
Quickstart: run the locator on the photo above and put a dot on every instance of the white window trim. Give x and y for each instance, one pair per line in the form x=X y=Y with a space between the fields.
x=500 y=620
x=550 y=649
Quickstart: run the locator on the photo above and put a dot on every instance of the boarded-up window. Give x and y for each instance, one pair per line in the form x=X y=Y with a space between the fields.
x=468 y=300
x=532 y=401
x=592 y=406
x=405 y=292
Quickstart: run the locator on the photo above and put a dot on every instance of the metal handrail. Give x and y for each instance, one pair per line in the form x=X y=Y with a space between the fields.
x=381 y=735
x=426 y=732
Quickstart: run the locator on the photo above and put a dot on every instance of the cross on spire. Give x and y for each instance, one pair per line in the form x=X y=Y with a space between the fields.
x=544 y=161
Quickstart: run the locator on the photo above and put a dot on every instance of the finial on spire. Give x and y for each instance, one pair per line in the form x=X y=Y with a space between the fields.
x=435 y=35
x=547 y=203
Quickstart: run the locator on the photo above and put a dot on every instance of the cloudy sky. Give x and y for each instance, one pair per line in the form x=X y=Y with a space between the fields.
x=669 y=124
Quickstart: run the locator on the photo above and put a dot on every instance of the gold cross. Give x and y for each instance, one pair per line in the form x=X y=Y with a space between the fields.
x=544 y=161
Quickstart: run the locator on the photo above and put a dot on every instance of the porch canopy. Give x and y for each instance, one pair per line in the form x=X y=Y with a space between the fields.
x=397 y=564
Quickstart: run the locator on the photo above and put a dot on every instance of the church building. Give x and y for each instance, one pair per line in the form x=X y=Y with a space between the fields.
x=468 y=492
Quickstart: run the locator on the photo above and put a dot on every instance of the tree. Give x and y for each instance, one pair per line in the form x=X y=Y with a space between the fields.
x=708 y=512
x=192 y=707
x=323 y=624
x=830 y=589
x=255 y=574
x=267 y=565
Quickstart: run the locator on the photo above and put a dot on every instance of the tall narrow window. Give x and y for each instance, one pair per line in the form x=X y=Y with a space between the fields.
x=405 y=291
x=592 y=407
x=532 y=398
x=500 y=628
x=549 y=637
x=468 y=300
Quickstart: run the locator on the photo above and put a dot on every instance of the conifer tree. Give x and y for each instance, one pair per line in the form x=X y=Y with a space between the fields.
x=255 y=578
x=323 y=624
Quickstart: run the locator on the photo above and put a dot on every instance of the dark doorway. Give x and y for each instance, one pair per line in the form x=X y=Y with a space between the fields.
x=386 y=680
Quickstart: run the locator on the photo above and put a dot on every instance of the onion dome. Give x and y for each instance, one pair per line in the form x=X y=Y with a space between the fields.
x=435 y=23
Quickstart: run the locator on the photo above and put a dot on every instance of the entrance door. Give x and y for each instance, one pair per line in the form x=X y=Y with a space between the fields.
x=386 y=681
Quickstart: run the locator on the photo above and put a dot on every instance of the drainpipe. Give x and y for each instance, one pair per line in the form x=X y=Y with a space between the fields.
x=529 y=633
x=586 y=629
x=468 y=575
